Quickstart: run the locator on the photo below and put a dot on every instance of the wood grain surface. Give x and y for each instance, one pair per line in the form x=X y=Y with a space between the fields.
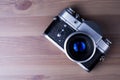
x=26 y=55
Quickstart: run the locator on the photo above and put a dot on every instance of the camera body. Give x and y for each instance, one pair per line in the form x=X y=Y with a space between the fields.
x=80 y=40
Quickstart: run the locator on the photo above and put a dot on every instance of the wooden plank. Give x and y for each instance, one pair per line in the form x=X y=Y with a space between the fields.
x=35 y=26
x=25 y=54
x=53 y=7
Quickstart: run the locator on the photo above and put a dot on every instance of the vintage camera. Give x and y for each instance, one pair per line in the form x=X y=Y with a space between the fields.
x=79 y=39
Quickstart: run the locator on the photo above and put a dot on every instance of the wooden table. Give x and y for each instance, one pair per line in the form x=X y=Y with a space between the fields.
x=26 y=55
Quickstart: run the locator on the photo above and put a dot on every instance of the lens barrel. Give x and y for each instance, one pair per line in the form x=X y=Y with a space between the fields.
x=79 y=47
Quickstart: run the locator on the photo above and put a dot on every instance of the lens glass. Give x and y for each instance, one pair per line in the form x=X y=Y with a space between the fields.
x=79 y=47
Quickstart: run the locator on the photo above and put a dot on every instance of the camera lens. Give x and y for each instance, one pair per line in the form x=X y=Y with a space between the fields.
x=79 y=47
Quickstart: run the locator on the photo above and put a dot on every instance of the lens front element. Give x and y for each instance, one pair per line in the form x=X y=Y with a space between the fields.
x=79 y=47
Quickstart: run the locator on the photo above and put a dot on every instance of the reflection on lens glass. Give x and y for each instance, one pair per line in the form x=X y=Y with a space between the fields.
x=79 y=46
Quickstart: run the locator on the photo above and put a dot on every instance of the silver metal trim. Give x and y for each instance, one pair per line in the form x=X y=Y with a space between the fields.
x=102 y=58
x=46 y=36
x=83 y=66
x=87 y=29
x=69 y=38
x=108 y=42
x=102 y=46
x=70 y=10
x=70 y=20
